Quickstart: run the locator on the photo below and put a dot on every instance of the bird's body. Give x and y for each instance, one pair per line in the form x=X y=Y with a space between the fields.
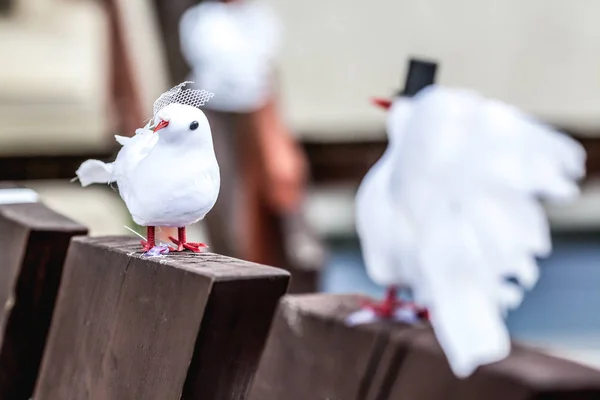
x=453 y=207
x=373 y=209
x=166 y=177
x=378 y=233
x=186 y=192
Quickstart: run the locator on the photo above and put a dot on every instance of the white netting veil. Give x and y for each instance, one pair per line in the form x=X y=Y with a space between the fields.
x=179 y=95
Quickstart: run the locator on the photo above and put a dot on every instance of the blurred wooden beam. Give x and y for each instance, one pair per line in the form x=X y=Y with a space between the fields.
x=330 y=162
x=348 y=162
x=592 y=147
x=46 y=167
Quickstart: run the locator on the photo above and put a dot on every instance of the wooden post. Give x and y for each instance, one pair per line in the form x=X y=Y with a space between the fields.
x=126 y=327
x=33 y=244
x=312 y=354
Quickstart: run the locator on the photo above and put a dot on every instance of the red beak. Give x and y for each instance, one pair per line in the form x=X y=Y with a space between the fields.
x=383 y=103
x=160 y=125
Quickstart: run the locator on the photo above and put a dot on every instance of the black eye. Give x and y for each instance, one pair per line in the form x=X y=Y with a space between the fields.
x=194 y=125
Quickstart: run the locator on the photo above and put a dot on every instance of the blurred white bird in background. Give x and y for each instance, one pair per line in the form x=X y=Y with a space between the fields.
x=452 y=211
x=232 y=47
x=167 y=173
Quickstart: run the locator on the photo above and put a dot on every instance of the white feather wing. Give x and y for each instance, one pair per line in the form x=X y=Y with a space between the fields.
x=468 y=175
x=134 y=150
x=94 y=171
x=378 y=232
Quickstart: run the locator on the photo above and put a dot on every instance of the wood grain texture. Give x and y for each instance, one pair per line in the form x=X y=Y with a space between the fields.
x=33 y=244
x=135 y=328
x=312 y=354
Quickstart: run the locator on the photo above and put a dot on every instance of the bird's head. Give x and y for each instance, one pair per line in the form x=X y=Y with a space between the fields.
x=180 y=123
x=398 y=113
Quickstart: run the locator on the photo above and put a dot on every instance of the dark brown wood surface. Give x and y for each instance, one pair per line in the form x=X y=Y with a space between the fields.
x=33 y=244
x=312 y=354
x=348 y=162
x=525 y=374
x=136 y=328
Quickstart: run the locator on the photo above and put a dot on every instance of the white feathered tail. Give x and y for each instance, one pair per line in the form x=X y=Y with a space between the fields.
x=98 y=172
x=94 y=171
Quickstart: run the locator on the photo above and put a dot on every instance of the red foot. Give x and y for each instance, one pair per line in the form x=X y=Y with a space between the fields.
x=195 y=247
x=386 y=308
x=423 y=314
x=383 y=309
x=146 y=246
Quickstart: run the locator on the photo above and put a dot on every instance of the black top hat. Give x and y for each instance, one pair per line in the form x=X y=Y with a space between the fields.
x=420 y=74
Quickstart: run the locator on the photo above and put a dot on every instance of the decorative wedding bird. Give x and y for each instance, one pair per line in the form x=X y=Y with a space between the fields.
x=452 y=211
x=167 y=173
x=231 y=47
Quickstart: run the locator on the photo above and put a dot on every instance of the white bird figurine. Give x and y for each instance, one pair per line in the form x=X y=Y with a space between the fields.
x=168 y=175
x=452 y=211
x=232 y=48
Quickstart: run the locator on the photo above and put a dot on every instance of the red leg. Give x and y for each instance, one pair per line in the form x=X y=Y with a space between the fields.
x=386 y=308
x=182 y=242
x=151 y=241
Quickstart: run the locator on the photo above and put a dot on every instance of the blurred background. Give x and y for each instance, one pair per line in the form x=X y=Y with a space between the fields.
x=75 y=72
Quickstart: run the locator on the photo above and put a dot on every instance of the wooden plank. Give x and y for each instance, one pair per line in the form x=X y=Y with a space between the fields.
x=392 y=358
x=525 y=374
x=135 y=328
x=33 y=244
x=57 y=166
x=312 y=354
x=348 y=161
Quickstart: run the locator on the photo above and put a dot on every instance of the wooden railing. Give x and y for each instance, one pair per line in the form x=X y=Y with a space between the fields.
x=89 y=318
